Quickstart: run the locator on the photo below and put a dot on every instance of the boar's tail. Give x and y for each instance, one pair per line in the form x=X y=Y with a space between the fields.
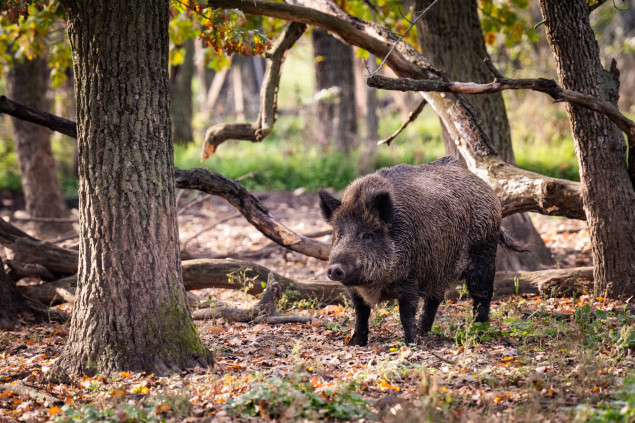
x=510 y=243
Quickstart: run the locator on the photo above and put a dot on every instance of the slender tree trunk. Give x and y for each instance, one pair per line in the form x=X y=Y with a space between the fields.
x=453 y=40
x=334 y=68
x=130 y=312
x=181 y=96
x=607 y=194
x=27 y=84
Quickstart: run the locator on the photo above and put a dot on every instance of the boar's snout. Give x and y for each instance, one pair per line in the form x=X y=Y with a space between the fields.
x=336 y=272
x=340 y=272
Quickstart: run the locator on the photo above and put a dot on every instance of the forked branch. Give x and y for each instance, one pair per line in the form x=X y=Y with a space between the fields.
x=263 y=125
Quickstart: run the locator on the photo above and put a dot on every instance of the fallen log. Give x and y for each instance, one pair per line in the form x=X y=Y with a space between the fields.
x=213 y=273
x=27 y=250
x=263 y=312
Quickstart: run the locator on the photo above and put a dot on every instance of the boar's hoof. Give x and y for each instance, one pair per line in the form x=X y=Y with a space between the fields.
x=358 y=340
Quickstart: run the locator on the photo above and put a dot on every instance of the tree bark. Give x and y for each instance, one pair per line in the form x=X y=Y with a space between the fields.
x=181 y=96
x=336 y=115
x=130 y=311
x=453 y=40
x=608 y=195
x=28 y=84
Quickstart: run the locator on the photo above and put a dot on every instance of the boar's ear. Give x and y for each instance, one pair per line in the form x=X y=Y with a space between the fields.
x=328 y=204
x=381 y=204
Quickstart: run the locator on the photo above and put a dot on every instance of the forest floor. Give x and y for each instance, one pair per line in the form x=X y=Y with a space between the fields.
x=540 y=359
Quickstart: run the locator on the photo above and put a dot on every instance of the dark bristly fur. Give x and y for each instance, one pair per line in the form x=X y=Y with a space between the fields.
x=410 y=232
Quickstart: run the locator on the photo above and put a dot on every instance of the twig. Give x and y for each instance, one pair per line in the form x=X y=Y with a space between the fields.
x=401 y=37
x=208 y=227
x=411 y=117
x=193 y=203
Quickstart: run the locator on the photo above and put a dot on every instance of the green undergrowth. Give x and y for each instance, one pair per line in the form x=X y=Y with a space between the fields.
x=297 y=399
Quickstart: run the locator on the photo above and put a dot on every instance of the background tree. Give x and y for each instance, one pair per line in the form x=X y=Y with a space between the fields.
x=453 y=40
x=334 y=81
x=28 y=83
x=181 y=95
x=608 y=193
x=130 y=310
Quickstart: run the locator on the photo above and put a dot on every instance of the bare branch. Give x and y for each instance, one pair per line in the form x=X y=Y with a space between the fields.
x=412 y=116
x=257 y=131
x=502 y=83
x=253 y=210
x=29 y=114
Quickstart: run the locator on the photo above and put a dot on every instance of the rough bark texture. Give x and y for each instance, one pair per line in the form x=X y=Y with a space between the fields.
x=607 y=194
x=27 y=84
x=336 y=117
x=130 y=312
x=453 y=40
x=181 y=96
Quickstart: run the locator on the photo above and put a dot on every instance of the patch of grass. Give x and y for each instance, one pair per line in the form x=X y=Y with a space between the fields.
x=297 y=398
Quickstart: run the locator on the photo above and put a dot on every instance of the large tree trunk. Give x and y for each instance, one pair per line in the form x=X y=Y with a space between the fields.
x=181 y=96
x=336 y=115
x=27 y=84
x=608 y=195
x=130 y=312
x=453 y=40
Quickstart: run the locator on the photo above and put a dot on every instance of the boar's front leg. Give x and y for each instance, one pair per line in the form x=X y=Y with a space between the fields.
x=430 y=307
x=407 y=312
x=362 y=313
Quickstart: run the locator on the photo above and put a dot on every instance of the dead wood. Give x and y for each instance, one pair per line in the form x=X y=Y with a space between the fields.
x=236 y=274
x=252 y=209
x=32 y=393
x=552 y=282
x=263 y=312
x=26 y=250
x=52 y=293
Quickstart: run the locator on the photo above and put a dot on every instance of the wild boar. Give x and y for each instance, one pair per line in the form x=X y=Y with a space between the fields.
x=410 y=232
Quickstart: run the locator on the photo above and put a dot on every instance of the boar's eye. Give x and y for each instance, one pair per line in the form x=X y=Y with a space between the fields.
x=366 y=236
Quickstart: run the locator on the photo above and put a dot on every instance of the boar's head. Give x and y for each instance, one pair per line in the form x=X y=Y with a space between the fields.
x=363 y=247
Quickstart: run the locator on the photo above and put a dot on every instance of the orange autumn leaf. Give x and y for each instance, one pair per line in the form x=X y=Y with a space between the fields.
x=386 y=386
x=125 y=374
x=54 y=410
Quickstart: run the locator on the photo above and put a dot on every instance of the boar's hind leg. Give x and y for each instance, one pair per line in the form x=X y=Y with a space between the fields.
x=480 y=278
x=407 y=313
x=362 y=313
x=430 y=307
